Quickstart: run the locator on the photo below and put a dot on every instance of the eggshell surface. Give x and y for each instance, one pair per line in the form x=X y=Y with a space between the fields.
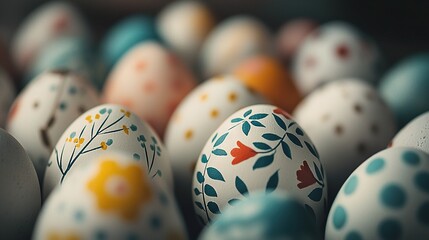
x=415 y=134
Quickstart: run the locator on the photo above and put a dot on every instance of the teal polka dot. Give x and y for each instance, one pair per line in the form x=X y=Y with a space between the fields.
x=353 y=236
x=375 y=165
x=63 y=106
x=393 y=196
x=340 y=217
x=390 y=229
x=411 y=158
x=79 y=215
x=155 y=222
x=351 y=185
x=423 y=213
x=100 y=235
x=422 y=181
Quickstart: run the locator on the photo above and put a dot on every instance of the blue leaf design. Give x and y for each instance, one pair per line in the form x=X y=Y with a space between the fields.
x=220 y=140
x=215 y=174
x=273 y=182
x=261 y=145
x=199 y=205
x=299 y=132
x=219 y=152
x=234 y=120
x=102 y=111
x=286 y=150
x=263 y=161
x=312 y=150
x=213 y=207
x=214 y=137
x=109 y=142
x=280 y=122
x=247 y=113
x=294 y=139
x=210 y=191
x=142 y=138
x=136 y=156
x=258 y=116
x=241 y=186
x=197 y=191
x=316 y=194
x=72 y=135
x=204 y=158
x=133 y=127
x=271 y=137
x=200 y=177
x=318 y=174
x=233 y=201
x=257 y=124
x=246 y=128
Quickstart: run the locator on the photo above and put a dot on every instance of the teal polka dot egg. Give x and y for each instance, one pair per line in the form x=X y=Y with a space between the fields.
x=386 y=197
x=261 y=216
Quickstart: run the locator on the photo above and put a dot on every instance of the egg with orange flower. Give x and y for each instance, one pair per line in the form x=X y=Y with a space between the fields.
x=258 y=148
x=101 y=130
x=112 y=197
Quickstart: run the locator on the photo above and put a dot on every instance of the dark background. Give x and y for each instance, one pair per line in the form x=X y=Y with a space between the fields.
x=400 y=27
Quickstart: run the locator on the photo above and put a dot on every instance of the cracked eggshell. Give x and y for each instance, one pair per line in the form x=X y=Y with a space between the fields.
x=348 y=122
x=110 y=196
x=386 y=197
x=20 y=199
x=334 y=51
x=45 y=108
x=258 y=148
x=103 y=129
x=45 y=24
x=7 y=95
x=156 y=82
x=415 y=134
x=232 y=41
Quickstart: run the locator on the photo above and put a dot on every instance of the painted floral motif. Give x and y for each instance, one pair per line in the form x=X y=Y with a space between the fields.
x=123 y=190
x=241 y=153
x=306 y=178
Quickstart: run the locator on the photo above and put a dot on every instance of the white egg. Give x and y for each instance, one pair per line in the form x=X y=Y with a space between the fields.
x=415 y=134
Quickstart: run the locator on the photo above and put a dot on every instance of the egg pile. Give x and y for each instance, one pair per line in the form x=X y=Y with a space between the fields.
x=185 y=126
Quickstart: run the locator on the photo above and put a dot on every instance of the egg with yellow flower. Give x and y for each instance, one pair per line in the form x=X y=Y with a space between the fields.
x=101 y=130
x=110 y=197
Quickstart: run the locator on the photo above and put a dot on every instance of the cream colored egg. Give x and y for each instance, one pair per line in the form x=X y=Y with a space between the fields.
x=45 y=108
x=20 y=199
x=415 y=134
x=7 y=95
x=151 y=82
x=110 y=197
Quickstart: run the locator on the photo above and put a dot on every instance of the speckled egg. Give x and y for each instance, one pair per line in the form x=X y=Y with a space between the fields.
x=405 y=88
x=267 y=76
x=45 y=108
x=44 y=24
x=387 y=197
x=19 y=189
x=258 y=148
x=334 y=51
x=102 y=129
x=110 y=197
x=232 y=41
x=415 y=134
x=7 y=95
x=348 y=122
x=263 y=216
x=125 y=35
x=156 y=82
x=185 y=25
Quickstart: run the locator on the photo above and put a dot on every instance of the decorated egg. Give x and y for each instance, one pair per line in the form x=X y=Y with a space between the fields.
x=334 y=51
x=415 y=134
x=267 y=76
x=405 y=88
x=45 y=108
x=185 y=25
x=125 y=35
x=110 y=197
x=384 y=198
x=232 y=41
x=156 y=81
x=103 y=129
x=258 y=148
x=263 y=216
x=7 y=95
x=19 y=189
x=348 y=122
x=46 y=23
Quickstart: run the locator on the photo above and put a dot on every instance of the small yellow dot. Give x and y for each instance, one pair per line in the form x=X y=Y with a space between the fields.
x=189 y=134
x=232 y=96
x=214 y=113
x=203 y=97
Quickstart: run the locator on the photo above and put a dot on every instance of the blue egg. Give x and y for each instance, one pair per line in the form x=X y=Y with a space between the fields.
x=126 y=34
x=405 y=88
x=264 y=216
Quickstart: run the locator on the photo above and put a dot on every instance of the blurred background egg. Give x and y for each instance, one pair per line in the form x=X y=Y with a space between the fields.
x=184 y=25
x=415 y=134
x=267 y=76
x=347 y=122
x=384 y=198
x=19 y=190
x=405 y=88
x=7 y=95
x=232 y=41
x=151 y=81
x=335 y=50
x=45 y=108
x=263 y=216
x=110 y=197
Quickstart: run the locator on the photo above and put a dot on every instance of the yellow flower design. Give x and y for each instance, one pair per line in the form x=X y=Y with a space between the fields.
x=89 y=118
x=126 y=113
x=58 y=236
x=78 y=141
x=97 y=116
x=126 y=129
x=103 y=145
x=123 y=190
